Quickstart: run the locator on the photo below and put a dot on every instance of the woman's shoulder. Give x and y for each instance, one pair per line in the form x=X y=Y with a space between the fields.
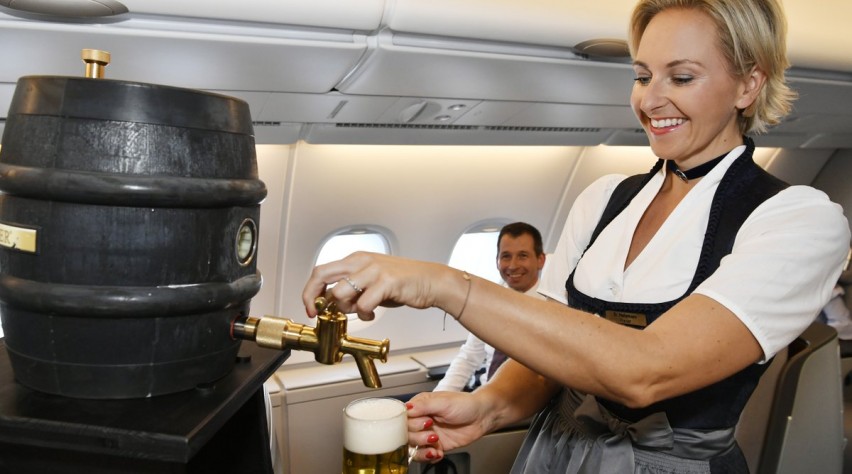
x=802 y=207
x=806 y=198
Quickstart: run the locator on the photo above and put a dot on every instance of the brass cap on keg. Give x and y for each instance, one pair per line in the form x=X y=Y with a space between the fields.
x=96 y=60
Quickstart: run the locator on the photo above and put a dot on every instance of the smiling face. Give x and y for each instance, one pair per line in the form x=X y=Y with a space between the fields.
x=684 y=95
x=518 y=264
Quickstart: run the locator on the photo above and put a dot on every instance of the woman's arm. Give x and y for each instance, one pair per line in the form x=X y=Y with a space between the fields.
x=570 y=347
x=596 y=356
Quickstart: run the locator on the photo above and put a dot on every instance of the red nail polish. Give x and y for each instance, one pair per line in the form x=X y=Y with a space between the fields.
x=433 y=438
x=428 y=424
x=409 y=406
x=429 y=455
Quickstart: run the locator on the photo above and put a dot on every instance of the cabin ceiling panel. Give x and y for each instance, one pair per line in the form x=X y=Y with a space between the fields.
x=426 y=71
x=574 y=115
x=818 y=34
x=552 y=22
x=361 y=15
x=226 y=58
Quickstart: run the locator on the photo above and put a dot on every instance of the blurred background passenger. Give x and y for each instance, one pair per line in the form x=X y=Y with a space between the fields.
x=520 y=258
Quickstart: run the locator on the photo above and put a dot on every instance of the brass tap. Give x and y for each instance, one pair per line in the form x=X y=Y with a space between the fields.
x=96 y=60
x=328 y=340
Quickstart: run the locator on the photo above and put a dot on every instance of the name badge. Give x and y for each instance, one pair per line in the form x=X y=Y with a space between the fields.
x=637 y=320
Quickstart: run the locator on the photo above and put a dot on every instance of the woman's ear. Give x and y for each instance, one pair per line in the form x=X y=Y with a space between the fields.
x=751 y=86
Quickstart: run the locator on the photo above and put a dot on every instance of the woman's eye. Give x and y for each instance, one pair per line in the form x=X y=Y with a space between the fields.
x=642 y=80
x=681 y=80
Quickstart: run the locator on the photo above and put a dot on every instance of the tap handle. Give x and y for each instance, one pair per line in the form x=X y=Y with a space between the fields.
x=325 y=304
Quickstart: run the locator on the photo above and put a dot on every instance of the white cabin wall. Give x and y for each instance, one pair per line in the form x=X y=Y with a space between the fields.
x=272 y=164
x=593 y=163
x=833 y=179
x=793 y=165
x=424 y=196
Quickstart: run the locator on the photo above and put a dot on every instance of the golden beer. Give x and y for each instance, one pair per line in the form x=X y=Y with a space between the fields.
x=375 y=437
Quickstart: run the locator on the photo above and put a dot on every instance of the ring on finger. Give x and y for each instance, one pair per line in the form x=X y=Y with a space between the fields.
x=353 y=285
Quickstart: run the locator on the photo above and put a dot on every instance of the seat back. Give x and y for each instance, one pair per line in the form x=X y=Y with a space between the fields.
x=804 y=429
x=751 y=430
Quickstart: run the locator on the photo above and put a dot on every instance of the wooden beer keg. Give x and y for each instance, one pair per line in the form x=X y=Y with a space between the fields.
x=128 y=229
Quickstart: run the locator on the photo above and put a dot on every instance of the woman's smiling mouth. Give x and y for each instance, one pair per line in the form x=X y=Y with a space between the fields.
x=667 y=123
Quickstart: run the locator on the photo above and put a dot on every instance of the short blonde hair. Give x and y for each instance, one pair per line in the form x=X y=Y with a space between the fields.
x=752 y=33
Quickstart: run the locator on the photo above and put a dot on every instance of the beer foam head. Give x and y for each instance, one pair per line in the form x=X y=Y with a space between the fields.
x=375 y=425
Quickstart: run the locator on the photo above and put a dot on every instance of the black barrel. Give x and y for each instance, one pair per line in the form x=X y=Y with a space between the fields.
x=128 y=229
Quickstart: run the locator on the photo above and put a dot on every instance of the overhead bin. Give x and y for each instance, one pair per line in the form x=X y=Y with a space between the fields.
x=822 y=115
x=404 y=64
x=495 y=49
x=187 y=52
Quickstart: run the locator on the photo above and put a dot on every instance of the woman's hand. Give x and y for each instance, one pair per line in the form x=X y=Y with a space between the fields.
x=367 y=280
x=441 y=421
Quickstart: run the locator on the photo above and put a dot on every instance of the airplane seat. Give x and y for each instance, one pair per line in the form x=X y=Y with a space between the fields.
x=751 y=429
x=846 y=344
x=793 y=422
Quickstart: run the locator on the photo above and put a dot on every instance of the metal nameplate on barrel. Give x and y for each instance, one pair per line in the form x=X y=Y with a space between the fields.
x=129 y=217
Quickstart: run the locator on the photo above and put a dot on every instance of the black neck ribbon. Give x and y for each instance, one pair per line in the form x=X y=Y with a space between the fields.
x=694 y=173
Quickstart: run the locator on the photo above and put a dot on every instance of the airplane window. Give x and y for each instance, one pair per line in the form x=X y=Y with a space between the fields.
x=342 y=245
x=476 y=253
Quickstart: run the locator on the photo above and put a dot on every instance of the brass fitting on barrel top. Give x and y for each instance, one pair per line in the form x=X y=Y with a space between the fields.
x=96 y=60
x=328 y=340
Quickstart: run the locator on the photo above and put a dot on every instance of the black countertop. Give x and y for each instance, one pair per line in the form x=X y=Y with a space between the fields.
x=170 y=428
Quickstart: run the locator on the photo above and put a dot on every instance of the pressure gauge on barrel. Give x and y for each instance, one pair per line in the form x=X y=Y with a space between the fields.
x=246 y=242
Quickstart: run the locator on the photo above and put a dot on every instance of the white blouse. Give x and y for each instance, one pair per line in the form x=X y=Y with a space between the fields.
x=784 y=264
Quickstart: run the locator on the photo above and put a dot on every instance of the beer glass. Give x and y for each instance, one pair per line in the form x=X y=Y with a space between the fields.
x=375 y=437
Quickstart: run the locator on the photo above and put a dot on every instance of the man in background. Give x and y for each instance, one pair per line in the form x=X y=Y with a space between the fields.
x=520 y=258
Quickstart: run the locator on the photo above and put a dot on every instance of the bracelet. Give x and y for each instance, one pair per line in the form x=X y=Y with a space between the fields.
x=466 y=276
